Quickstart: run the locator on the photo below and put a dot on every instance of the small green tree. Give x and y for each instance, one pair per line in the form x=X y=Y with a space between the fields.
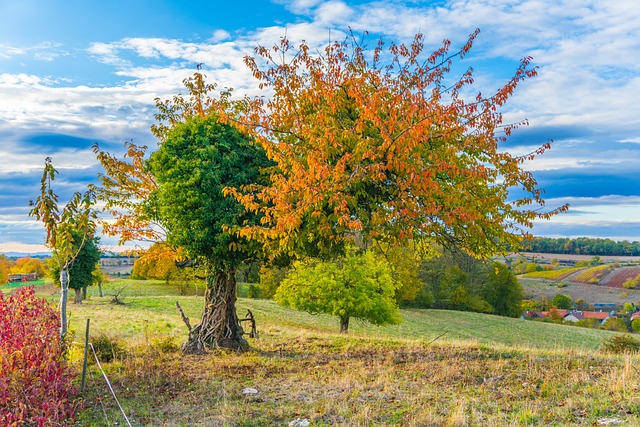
x=99 y=278
x=562 y=301
x=503 y=291
x=77 y=218
x=635 y=325
x=358 y=286
x=81 y=269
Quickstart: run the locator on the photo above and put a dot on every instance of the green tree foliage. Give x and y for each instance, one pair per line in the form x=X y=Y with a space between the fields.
x=503 y=291
x=197 y=161
x=81 y=269
x=562 y=301
x=614 y=324
x=355 y=286
x=405 y=266
x=582 y=246
x=635 y=325
x=454 y=280
x=270 y=279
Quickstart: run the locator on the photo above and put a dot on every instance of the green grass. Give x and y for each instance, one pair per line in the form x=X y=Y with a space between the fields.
x=486 y=370
x=13 y=285
x=146 y=312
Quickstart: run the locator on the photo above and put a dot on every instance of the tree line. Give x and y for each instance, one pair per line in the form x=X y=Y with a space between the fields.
x=582 y=246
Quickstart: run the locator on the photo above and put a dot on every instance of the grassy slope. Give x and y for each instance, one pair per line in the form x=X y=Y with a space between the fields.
x=147 y=312
x=375 y=376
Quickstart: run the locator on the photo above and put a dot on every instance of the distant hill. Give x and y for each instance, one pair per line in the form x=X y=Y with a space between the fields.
x=26 y=254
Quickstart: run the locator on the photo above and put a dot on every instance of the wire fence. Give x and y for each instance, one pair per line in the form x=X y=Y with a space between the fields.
x=88 y=345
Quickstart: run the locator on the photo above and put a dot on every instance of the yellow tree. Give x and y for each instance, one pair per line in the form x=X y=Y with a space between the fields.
x=158 y=262
x=29 y=265
x=383 y=145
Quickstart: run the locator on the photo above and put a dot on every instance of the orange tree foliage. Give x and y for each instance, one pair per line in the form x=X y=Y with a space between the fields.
x=125 y=187
x=35 y=382
x=29 y=265
x=5 y=268
x=158 y=262
x=382 y=144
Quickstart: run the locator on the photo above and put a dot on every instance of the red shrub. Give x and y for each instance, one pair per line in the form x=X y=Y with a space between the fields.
x=35 y=382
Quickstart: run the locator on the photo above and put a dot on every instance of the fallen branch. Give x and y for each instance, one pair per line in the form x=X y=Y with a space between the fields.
x=436 y=338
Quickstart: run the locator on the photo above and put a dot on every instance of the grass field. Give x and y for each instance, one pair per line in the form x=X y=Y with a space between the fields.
x=484 y=371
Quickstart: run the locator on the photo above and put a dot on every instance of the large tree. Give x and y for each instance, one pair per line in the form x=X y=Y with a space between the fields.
x=196 y=162
x=385 y=145
x=177 y=196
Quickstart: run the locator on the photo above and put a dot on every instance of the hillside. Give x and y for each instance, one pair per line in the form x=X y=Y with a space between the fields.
x=485 y=370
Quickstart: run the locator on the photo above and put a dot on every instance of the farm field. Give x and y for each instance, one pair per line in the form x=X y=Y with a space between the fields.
x=485 y=370
x=536 y=288
x=598 y=284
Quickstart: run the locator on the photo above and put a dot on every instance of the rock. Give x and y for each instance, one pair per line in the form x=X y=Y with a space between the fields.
x=300 y=422
x=609 y=421
x=250 y=392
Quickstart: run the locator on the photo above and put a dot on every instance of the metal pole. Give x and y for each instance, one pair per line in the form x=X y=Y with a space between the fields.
x=86 y=354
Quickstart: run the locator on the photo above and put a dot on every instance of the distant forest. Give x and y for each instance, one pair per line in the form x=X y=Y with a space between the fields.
x=582 y=246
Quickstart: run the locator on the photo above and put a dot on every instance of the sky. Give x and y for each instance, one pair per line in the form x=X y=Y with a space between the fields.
x=76 y=72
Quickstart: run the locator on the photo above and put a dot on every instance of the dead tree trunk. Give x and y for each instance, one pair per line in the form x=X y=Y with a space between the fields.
x=219 y=326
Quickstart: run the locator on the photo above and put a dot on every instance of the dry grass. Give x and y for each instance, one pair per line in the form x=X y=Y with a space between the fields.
x=333 y=380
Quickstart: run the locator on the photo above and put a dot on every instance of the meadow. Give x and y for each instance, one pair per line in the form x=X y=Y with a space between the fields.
x=437 y=368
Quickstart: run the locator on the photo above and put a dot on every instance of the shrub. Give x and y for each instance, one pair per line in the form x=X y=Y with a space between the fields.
x=614 y=324
x=35 y=382
x=635 y=325
x=108 y=349
x=562 y=301
x=621 y=344
x=254 y=292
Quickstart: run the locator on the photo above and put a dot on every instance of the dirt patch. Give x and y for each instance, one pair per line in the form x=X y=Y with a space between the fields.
x=617 y=278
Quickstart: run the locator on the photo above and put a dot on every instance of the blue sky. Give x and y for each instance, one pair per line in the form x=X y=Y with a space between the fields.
x=75 y=72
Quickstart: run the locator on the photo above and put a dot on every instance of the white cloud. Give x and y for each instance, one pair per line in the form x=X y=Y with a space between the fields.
x=587 y=51
x=219 y=35
x=22 y=247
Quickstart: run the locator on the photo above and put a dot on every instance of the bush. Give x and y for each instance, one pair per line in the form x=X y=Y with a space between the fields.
x=108 y=349
x=621 y=344
x=614 y=324
x=254 y=292
x=562 y=301
x=635 y=325
x=35 y=382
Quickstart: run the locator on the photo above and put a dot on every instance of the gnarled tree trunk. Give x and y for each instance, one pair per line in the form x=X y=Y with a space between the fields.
x=219 y=326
